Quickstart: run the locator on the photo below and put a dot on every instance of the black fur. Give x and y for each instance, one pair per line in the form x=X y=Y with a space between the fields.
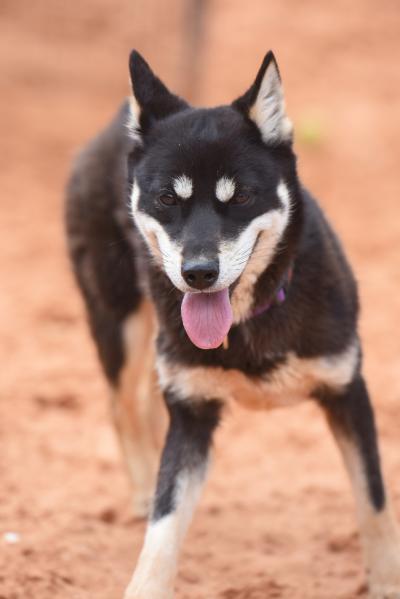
x=152 y=93
x=100 y=242
x=114 y=268
x=186 y=448
x=351 y=414
x=319 y=316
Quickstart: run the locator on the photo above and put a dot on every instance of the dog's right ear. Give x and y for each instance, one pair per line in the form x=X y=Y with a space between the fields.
x=151 y=100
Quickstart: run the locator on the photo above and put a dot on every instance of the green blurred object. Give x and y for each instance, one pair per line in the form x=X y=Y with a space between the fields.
x=310 y=130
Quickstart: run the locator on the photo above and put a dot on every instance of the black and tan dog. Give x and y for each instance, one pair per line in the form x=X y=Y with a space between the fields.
x=202 y=258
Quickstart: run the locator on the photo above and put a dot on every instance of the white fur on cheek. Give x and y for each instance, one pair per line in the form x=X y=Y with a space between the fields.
x=134 y=199
x=252 y=252
x=167 y=253
x=283 y=194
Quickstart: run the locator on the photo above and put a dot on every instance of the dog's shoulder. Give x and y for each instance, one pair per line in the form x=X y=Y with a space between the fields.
x=102 y=238
x=324 y=288
x=99 y=173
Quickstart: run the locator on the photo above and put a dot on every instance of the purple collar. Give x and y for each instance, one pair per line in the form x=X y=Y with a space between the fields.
x=279 y=296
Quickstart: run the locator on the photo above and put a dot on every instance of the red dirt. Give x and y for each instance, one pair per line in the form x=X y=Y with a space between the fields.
x=277 y=517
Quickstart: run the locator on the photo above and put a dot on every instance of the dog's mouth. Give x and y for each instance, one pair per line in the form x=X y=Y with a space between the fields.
x=207 y=317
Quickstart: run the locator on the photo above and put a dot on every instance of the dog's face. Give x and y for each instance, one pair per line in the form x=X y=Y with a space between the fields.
x=208 y=184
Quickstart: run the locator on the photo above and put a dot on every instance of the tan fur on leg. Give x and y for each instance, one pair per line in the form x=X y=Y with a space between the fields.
x=138 y=413
x=379 y=531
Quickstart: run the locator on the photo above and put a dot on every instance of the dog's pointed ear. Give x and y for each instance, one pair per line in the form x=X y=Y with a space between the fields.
x=151 y=100
x=264 y=104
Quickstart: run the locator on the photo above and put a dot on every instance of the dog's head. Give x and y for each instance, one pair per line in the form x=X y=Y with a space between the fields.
x=208 y=186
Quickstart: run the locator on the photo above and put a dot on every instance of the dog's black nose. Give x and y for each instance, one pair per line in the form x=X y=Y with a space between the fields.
x=200 y=275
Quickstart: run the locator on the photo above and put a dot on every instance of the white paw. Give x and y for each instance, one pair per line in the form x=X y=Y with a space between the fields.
x=383 y=562
x=385 y=583
x=384 y=591
x=150 y=591
x=149 y=584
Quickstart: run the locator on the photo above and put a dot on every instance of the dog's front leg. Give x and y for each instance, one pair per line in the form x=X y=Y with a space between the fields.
x=182 y=470
x=352 y=420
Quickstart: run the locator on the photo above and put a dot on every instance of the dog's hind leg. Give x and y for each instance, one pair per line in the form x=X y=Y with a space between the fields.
x=351 y=419
x=126 y=351
x=137 y=408
x=182 y=470
x=104 y=249
x=122 y=326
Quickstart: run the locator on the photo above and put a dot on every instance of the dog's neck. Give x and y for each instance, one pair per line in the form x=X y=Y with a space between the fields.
x=277 y=274
x=280 y=295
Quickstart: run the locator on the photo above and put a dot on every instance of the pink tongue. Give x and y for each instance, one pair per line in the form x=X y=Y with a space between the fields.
x=207 y=317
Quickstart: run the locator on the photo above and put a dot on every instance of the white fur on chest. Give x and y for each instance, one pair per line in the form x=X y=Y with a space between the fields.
x=289 y=383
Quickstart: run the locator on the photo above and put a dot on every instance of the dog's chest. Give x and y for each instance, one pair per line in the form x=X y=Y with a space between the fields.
x=294 y=379
x=288 y=383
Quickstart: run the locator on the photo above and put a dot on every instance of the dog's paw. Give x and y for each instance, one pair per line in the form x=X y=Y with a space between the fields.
x=383 y=566
x=385 y=584
x=384 y=591
x=150 y=592
x=148 y=589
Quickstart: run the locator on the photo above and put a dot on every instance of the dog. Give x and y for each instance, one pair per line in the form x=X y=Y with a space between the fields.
x=210 y=275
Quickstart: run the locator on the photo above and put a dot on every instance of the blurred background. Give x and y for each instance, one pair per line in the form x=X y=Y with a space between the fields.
x=277 y=517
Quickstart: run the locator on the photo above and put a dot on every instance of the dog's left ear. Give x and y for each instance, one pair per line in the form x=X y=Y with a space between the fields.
x=264 y=104
x=151 y=100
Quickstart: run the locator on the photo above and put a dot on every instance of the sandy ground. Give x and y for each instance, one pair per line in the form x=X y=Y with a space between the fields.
x=277 y=518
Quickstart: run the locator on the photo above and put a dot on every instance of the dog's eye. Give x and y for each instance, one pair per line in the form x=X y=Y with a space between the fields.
x=167 y=199
x=240 y=199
